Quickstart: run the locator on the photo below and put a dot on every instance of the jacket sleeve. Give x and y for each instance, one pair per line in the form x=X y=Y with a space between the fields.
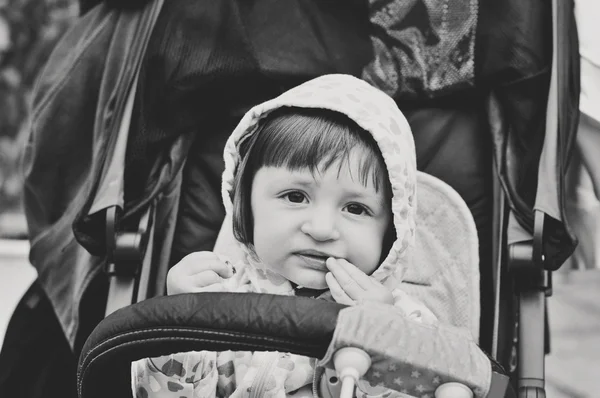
x=417 y=312
x=410 y=356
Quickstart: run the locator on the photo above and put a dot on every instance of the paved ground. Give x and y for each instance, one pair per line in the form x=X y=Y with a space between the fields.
x=573 y=368
x=16 y=276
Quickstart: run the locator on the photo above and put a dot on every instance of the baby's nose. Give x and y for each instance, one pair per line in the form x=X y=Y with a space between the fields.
x=321 y=226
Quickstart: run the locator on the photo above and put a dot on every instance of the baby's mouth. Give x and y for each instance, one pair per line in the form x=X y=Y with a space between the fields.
x=314 y=259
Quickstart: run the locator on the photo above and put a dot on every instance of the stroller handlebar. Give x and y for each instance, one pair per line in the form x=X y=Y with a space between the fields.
x=205 y=321
x=201 y=321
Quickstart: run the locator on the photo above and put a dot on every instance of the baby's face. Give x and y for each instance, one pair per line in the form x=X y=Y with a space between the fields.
x=301 y=219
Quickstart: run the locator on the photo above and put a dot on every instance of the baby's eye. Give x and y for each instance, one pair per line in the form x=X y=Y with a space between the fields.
x=355 y=208
x=295 y=197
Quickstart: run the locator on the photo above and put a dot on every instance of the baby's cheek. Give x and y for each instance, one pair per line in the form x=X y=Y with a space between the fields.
x=372 y=254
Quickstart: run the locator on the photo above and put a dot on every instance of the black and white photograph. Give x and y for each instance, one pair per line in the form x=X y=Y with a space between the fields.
x=299 y=198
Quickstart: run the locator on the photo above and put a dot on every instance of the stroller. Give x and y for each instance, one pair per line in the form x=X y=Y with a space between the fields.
x=446 y=245
x=133 y=222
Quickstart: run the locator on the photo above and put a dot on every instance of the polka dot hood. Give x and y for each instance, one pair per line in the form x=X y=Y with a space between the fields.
x=376 y=113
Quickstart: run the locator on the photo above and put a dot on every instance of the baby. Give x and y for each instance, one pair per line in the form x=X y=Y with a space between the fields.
x=320 y=185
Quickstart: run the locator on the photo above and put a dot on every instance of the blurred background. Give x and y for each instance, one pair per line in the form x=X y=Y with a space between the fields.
x=28 y=31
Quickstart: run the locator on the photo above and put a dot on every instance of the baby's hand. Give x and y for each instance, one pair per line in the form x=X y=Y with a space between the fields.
x=196 y=271
x=349 y=285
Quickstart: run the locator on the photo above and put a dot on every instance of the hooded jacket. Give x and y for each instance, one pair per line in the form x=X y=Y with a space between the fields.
x=273 y=374
x=376 y=113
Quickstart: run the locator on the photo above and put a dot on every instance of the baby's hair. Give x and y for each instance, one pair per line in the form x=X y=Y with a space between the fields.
x=301 y=138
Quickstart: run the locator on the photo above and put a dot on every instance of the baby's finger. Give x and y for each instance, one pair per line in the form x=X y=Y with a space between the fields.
x=205 y=278
x=345 y=278
x=177 y=284
x=199 y=262
x=363 y=280
x=336 y=290
x=225 y=270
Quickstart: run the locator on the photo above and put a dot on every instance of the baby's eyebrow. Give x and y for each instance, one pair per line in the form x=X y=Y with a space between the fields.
x=302 y=181
x=364 y=195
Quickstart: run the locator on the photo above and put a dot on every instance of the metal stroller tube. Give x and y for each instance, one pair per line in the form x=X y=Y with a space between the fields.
x=533 y=284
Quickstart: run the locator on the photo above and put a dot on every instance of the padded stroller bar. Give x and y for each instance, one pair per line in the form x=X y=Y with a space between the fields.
x=201 y=321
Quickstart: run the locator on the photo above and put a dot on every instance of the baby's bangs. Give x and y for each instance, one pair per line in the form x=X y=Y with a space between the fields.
x=298 y=138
